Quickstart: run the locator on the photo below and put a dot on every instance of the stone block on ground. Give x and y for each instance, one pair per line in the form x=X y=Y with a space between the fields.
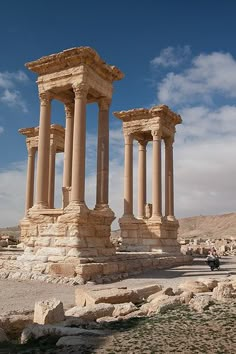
x=201 y=303
x=37 y=331
x=91 y=312
x=223 y=292
x=124 y=309
x=194 y=286
x=84 y=297
x=48 y=311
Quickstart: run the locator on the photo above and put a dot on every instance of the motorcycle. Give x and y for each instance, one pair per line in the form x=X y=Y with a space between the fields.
x=213 y=263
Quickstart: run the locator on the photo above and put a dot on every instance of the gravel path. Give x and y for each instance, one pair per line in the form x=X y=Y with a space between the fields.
x=21 y=295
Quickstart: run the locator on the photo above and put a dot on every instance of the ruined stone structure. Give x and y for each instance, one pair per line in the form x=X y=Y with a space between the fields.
x=150 y=230
x=74 y=241
x=57 y=137
x=75 y=77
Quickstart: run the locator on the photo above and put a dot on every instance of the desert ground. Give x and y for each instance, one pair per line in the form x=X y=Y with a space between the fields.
x=178 y=331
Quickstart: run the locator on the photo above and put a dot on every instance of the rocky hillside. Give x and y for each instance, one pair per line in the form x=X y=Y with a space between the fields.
x=212 y=226
x=10 y=231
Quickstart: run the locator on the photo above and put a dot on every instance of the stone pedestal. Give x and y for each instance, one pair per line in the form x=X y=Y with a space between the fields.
x=148 y=235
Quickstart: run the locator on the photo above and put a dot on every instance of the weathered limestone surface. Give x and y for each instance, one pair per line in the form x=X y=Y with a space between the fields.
x=91 y=312
x=48 y=311
x=84 y=297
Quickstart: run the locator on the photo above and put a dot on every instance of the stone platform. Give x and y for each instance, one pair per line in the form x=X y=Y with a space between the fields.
x=82 y=270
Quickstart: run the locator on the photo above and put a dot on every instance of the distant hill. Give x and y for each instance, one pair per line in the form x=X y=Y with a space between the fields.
x=212 y=226
x=10 y=231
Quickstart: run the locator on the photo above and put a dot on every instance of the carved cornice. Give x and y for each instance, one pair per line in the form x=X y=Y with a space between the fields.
x=161 y=111
x=75 y=57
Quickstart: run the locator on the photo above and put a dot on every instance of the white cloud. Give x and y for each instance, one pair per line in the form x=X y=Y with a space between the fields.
x=8 y=92
x=13 y=99
x=1 y=130
x=172 y=56
x=209 y=75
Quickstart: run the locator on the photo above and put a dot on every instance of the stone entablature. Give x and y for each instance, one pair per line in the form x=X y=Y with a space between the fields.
x=141 y=122
x=58 y=73
x=150 y=230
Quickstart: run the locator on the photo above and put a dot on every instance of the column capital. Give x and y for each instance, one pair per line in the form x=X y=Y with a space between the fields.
x=45 y=98
x=156 y=134
x=142 y=143
x=104 y=103
x=69 y=110
x=128 y=138
x=80 y=90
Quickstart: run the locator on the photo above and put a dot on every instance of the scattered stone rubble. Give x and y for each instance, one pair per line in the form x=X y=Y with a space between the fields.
x=199 y=246
x=95 y=307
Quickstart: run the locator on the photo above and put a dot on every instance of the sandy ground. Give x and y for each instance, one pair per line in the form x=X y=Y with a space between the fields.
x=21 y=295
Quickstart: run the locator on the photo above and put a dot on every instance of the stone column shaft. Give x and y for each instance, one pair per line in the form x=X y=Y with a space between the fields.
x=141 y=178
x=169 y=178
x=30 y=178
x=103 y=154
x=67 y=170
x=79 y=141
x=43 y=151
x=156 y=176
x=51 y=184
x=128 y=176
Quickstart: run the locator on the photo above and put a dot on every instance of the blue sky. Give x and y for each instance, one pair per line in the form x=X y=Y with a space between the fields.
x=180 y=53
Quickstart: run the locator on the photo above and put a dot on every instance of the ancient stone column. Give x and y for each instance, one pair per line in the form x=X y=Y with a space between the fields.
x=30 y=178
x=128 y=176
x=169 y=179
x=43 y=151
x=67 y=170
x=51 y=184
x=141 y=178
x=79 y=140
x=156 y=175
x=103 y=154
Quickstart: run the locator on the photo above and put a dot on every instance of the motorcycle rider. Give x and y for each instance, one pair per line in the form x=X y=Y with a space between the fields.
x=213 y=258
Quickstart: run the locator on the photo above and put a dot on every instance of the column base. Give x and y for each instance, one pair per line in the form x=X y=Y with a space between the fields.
x=156 y=218
x=170 y=218
x=76 y=207
x=40 y=205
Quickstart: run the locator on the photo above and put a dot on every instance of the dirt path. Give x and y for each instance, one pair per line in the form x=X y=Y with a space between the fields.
x=21 y=295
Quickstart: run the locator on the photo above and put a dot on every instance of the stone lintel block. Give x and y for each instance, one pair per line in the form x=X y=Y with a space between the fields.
x=130 y=241
x=62 y=269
